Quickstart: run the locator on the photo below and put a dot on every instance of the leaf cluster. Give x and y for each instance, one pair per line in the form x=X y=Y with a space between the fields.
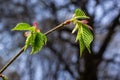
x=35 y=39
x=84 y=35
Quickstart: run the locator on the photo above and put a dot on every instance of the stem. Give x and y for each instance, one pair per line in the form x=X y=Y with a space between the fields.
x=11 y=61
x=0 y=75
x=22 y=49
x=58 y=27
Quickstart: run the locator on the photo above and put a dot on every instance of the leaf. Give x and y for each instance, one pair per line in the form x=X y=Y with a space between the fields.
x=79 y=32
x=79 y=14
x=84 y=36
x=35 y=38
x=87 y=36
x=82 y=17
x=39 y=42
x=82 y=45
x=30 y=40
x=22 y=26
x=75 y=28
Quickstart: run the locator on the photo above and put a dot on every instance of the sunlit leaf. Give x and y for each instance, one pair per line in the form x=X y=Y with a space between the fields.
x=81 y=17
x=30 y=40
x=75 y=28
x=79 y=14
x=78 y=33
x=35 y=38
x=82 y=45
x=87 y=37
x=22 y=26
x=84 y=36
x=39 y=42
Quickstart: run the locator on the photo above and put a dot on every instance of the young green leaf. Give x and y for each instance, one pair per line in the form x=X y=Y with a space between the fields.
x=30 y=40
x=79 y=38
x=84 y=36
x=87 y=36
x=81 y=17
x=81 y=45
x=75 y=28
x=79 y=32
x=39 y=42
x=35 y=38
x=22 y=26
x=79 y=14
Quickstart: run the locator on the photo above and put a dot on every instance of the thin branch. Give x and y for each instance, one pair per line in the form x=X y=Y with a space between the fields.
x=58 y=27
x=108 y=38
x=0 y=75
x=11 y=61
x=22 y=49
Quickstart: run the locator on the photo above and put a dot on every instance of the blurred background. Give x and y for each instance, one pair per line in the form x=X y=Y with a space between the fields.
x=59 y=59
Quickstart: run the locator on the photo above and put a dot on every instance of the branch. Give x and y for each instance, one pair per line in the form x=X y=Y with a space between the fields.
x=108 y=37
x=58 y=27
x=11 y=61
x=22 y=49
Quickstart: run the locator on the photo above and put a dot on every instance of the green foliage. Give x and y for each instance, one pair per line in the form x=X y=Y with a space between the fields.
x=39 y=40
x=87 y=36
x=35 y=39
x=79 y=14
x=84 y=35
x=22 y=26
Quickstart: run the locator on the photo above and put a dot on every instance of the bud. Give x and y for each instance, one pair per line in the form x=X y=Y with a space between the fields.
x=35 y=24
x=67 y=22
x=26 y=34
x=84 y=21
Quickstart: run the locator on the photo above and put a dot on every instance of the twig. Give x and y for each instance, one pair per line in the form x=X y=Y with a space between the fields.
x=58 y=27
x=11 y=61
x=22 y=49
x=0 y=75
